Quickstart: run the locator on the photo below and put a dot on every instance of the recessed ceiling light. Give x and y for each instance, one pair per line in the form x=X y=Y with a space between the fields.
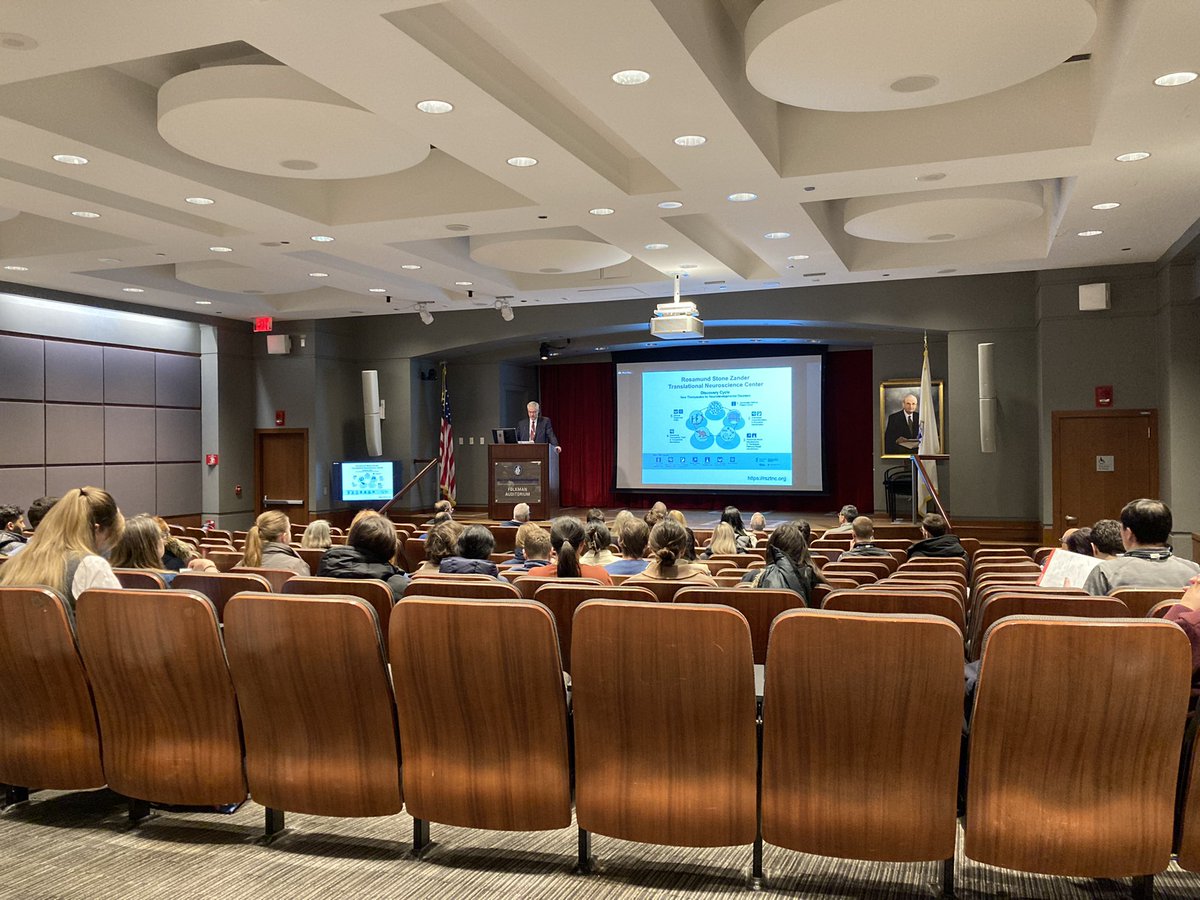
x=86 y=214
x=770 y=284
x=1133 y=157
x=631 y=76
x=410 y=266
x=107 y=259
x=600 y=348
x=742 y=197
x=670 y=204
x=204 y=303
x=321 y=238
x=1106 y=206
x=318 y=274
x=601 y=211
x=199 y=201
x=70 y=159
x=946 y=271
x=522 y=162
x=1090 y=233
x=17 y=268
x=221 y=249
x=458 y=227
x=1175 y=79
x=777 y=235
x=931 y=176
x=377 y=290
x=435 y=107
x=657 y=246
x=690 y=140
x=134 y=290
x=797 y=257
x=687 y=265
x=11 y=40
x=464 y=283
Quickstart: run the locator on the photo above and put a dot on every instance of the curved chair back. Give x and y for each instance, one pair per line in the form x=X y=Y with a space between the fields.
x=935 y=564
x=1001 y=605
x=1141 y=600
x=856 y=575
x=452 y=576
x=505 y=537
x=564 y=595
x=317 y=706
x=652 y=701
x=463 y=590
x=277 y=578
x=220 y=588
x=665 y=591
x=1159 y=609
x=50 y=737
x=1074 y=750
x=312 y=557
x=881 y=600
x=856 y=764
x=224 y=560
x=759 y=606
x=736 y=560
x=484 y=728
x=414 y=552
x=527 y=585
x=1005 y=554
x=377 y=593
x=881 y=566
x=164 y=696
x=140 y=579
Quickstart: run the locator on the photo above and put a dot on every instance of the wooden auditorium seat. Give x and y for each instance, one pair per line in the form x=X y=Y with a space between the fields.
x=49 y=737
x=140 y=579
x=375 y=592
x=1074 y=752
x=490 y=589
x=653 y=701
x=527 y=585
x=855 y=763
x=277 y=578
x=882 y=566
x=317 y=707
x=562 y=596
x=505 y=537
x=225 y=560
x=312 y=557
x=935 y=564
x=164 y=698
x=736 y=560
x=1159 y=609
x=482 y=715
x=452 y=576
x=1141 y=600
x=878 y=599
x=1014 y=603
x=220 y=587
x=759 y=606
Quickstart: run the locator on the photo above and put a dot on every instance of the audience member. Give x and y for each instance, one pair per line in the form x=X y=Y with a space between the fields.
x=743 y=538
x=935 y=541
x=316 y=536
x=142 y=547
x=536 y=541
x=1078 y=540
x=37 y=511
x=862 y=539
x=632 y=539
x=619 y=521
x=567 y=538
x=846 y=516
x=367 y=553
x=595 y=514
x=440 y=518
x=67 y=550
x=12 y=539
x=1148 y=561
x=806 y=529
x=177 y=554
x=655 y=514
x=1106 y=539
x=598 y=541
x=668 y=543
x=690 y=553
x=520 y=515
x=722 y=543
x=1186 y=614
x=267 y=545
x=440 y=543
x=471 y=553
x=758 y=522
x=788 y=564
x=442 y=510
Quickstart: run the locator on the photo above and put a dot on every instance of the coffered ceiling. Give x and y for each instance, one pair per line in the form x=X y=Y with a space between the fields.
x=307 y=158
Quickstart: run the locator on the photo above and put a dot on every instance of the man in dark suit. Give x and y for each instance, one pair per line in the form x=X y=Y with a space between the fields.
x=903 y=426
x=537 y=428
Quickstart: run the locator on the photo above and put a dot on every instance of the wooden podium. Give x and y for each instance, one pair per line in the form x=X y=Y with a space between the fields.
x=522 y=473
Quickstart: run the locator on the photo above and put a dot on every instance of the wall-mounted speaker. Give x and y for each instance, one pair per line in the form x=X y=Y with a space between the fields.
x=372 y=412
x=279 y=344
x=988 y=403
x=1094 y=296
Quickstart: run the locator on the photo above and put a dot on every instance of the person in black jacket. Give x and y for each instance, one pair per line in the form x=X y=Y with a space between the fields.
x=788 y=564
x=12 y=540
x=935 y=541
x=474 y=546
x=367 y=553
x=863 y=541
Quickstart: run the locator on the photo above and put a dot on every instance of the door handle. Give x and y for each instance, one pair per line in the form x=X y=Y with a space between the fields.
x=267 y=500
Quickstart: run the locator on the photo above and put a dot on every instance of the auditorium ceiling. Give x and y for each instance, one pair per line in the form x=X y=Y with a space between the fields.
x=309 y=158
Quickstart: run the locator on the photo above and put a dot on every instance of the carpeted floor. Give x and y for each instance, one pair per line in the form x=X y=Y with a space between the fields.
x=79 y=846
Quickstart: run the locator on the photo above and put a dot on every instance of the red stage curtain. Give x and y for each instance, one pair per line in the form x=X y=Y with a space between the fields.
x=580 y=400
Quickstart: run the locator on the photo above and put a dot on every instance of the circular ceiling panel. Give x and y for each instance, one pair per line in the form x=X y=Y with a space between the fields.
x=864 y=56
x=218 y=275
x=545 y=255
x=939 y=216
x=271 y=120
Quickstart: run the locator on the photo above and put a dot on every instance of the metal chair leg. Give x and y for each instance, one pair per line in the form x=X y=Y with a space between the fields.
x=758 y=880
x=420 y=837
x=274 y=822
x=948 y=877
x=14 y=794
x=139 y=810
x=1143 y=887
x=585 y=865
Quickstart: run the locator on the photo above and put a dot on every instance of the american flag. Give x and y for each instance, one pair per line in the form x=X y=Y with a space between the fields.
x=446 y=482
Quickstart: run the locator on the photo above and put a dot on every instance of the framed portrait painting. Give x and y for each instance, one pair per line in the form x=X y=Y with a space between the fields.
x=900 y=416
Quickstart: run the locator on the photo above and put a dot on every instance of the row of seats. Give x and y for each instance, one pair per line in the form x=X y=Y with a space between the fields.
x=1073 y=751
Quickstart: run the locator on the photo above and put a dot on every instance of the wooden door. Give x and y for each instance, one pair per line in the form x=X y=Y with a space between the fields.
x=281 y=471
x=1102 y=460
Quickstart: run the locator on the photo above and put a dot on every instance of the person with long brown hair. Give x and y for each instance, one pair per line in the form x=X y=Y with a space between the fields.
x=267 y=545
x=142 y=547
x=668 y=543
x=567 y=538
x=67 y=551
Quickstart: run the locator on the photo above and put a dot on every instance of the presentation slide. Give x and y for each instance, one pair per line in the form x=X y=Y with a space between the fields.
x=737 y=424
x=366 y=481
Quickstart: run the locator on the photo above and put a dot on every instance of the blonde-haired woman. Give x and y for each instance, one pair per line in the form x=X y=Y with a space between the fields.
x=723 y=542
x=316 y=536
x=267 y=545
x=65 y=552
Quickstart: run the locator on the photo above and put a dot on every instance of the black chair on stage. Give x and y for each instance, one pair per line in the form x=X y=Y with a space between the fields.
x=897 y=482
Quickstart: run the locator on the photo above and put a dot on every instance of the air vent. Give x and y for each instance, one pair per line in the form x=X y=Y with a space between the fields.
x=714 y=282
x=813 y=274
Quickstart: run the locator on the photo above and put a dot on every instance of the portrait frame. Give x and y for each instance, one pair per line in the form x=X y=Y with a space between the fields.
x=891 y=399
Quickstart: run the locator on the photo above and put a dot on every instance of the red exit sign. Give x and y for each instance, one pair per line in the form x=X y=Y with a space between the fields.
x=263 y=323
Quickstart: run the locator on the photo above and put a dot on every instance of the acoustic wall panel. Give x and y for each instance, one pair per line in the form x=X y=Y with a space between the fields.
x=128 y=434
x=74 y=434
x=60 y=479
x=133 y=487
x=24 y=442
x=178 y=380
x=178 y=489
x=178 y=433
x=20 y=486
x=22 y=368
x=74 y=372
x=128 y=376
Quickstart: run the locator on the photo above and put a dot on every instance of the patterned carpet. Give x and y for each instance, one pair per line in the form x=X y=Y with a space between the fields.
x=79 y=846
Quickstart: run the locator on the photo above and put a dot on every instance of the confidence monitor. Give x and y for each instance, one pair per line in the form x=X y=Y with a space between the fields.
x=744 y=424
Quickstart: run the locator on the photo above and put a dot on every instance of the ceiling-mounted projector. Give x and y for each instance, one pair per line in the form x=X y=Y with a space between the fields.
x=676 y=320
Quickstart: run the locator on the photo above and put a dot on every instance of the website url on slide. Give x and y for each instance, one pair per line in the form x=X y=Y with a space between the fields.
x=776 y=479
